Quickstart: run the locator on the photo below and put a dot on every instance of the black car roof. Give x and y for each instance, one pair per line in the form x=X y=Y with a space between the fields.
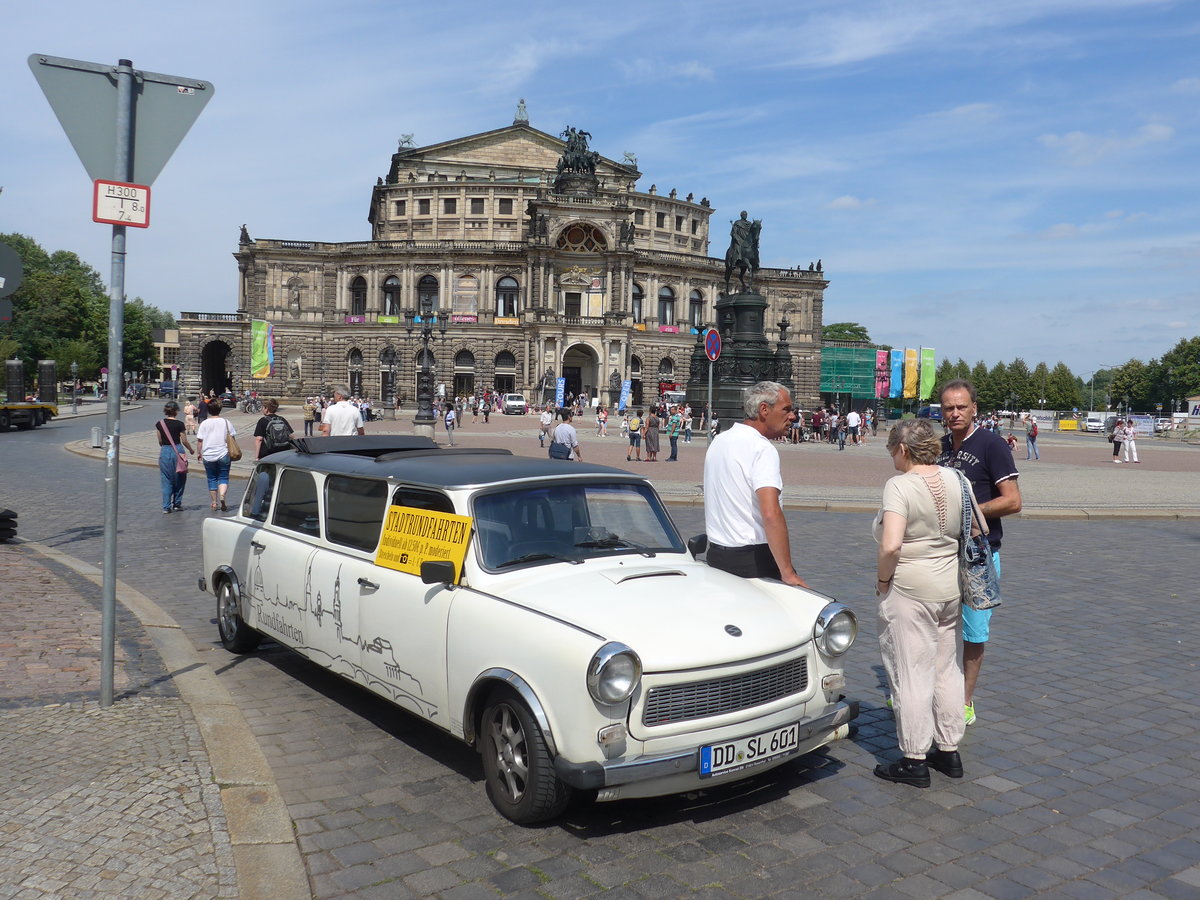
x=421 y=461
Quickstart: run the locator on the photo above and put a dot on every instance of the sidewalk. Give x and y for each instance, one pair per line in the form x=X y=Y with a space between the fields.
x=1074 y=479
x=163 y=795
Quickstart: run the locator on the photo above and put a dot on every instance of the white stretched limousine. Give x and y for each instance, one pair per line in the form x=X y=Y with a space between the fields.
x=549 y=614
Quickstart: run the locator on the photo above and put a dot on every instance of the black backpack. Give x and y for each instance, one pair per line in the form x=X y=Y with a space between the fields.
x=277 y=435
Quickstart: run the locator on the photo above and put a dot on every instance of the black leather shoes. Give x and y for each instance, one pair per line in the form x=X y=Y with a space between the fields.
x=905 y=771
x=948 y=762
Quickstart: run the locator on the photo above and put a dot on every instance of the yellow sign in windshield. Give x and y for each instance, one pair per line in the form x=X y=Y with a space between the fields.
x=412 y=536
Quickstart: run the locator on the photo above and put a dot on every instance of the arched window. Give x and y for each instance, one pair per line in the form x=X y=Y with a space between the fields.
x=358 y=296
x=635 y=302
x=427 y=295
x=391 y=296
x=582 y=238
x=696 y=309
x=666 y=306
x=666 y=369
x=464 y=359
x=505 y=362
x=635 y=367
x=506 y=296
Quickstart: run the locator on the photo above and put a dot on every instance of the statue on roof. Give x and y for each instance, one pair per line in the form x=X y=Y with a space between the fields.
x=405 y=143
x=577 y=158
x=522 y=116
x=631 y=159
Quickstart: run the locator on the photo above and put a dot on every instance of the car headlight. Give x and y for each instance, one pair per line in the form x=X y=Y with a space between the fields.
x=835 y=629
x=614 y=673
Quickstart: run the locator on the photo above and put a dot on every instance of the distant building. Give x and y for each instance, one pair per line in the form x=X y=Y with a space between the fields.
x=542 y=276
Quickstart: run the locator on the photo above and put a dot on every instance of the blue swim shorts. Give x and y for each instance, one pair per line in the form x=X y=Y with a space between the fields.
x=976 y=622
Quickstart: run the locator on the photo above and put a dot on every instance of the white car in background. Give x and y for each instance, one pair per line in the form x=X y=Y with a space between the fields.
x=514 y=405
x=548 y=615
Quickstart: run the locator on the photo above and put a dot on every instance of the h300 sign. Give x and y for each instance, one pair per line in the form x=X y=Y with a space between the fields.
x=118 y=203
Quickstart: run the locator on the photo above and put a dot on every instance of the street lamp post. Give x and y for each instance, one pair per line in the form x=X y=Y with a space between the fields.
x=75 y=388
x=423 y=421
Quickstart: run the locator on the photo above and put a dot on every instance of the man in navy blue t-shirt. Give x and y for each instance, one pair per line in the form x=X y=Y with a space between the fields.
x=985 y=458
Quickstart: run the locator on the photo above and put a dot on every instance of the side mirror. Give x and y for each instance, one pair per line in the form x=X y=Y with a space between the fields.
x=438 y=571
x=698 y=544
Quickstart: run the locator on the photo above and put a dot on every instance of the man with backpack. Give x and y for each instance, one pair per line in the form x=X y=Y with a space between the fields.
x=272 y=432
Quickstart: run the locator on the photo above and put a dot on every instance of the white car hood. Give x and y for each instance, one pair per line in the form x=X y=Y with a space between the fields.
x=672 y=611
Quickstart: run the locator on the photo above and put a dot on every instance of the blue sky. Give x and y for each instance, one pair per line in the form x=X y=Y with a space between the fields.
x=990 y=179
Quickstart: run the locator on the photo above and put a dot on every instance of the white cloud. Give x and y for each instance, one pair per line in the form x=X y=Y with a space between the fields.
x=848 y=202
x=1186 y=86
x=1080 y=148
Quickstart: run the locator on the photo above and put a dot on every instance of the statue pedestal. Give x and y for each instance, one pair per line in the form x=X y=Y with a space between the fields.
x=746 y=357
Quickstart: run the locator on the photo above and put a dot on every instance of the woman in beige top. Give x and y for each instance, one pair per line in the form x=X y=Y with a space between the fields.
x=920 y=632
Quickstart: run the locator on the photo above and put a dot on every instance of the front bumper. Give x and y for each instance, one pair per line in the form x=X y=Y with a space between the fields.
x=596 y=775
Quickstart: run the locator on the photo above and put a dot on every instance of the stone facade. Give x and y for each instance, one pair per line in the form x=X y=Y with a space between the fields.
x=594 y=281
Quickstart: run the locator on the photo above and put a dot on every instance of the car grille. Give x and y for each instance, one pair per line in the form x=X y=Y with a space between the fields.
x=701 y=699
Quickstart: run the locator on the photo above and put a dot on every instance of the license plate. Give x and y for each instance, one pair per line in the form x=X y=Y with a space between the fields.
x=744 y=753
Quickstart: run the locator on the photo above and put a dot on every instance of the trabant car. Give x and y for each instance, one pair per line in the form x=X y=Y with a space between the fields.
x=549 y=615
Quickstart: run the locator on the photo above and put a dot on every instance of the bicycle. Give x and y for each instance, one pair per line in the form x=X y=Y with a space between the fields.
x=252 y=405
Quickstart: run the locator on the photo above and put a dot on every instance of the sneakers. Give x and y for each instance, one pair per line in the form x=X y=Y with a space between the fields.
x=948 y=762
x=969 y=713
x=167 y=511
x=905 y=771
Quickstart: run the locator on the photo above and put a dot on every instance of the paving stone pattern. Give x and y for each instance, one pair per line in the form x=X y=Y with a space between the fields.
x=1082 y=778
x=105 y=803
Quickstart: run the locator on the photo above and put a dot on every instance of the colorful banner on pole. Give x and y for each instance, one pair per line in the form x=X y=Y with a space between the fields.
x=883 y=373
x=928 y=372
x=262 y=348
x=911 y=361
x=896 y=385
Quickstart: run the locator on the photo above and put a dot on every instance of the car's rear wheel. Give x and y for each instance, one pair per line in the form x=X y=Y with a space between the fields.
x=236 y=635
x=516 y=763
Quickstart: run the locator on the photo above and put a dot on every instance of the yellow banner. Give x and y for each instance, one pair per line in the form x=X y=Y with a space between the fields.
x=910 y=373
x=412 y=536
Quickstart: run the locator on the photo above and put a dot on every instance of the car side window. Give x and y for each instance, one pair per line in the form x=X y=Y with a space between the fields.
x=354 y=509
x=296 y=508
x=418 y=499
x=257 y=501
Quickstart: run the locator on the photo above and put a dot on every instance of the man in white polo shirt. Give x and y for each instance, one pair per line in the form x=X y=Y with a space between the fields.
x=342 y=418
x=743 y=517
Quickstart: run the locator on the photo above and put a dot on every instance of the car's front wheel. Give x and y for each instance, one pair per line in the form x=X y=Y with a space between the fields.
x=236 y=635
x=516 y=763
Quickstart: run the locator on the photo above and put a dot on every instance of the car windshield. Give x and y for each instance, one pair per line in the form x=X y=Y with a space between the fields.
x=570 y=523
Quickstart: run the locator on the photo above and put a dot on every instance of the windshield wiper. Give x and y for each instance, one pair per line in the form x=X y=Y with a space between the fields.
x=533 y=557
x=615 y=543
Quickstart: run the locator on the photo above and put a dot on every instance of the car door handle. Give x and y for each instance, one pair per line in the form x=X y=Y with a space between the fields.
x=257 y=546
x=368 y=584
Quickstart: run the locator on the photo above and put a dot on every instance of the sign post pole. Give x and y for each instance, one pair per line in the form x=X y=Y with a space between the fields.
x=712 y=349
x=116 y=334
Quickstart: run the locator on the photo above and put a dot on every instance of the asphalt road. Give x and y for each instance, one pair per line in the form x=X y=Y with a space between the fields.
x=1082 y=777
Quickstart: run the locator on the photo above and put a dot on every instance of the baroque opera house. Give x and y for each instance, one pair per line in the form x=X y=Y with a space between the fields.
x=532 y=271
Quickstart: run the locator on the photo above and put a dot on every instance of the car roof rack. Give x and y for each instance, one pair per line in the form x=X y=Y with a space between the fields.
x=375 y=445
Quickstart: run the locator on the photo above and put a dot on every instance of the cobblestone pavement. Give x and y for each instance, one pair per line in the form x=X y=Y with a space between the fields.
x=80 y=786
x=1082 y=779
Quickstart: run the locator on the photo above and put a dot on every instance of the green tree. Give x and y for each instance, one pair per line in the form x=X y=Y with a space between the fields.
x=1131 y=385
x=1039 y=383
x=1179 y=375
x=1063 y=389
x=85 y=354
x=1020 y=385
x=845 y=331
x=979 y=377
x=994 y=393
x=945 y=372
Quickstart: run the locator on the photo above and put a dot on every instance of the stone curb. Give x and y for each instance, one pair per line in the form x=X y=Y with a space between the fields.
x=266 y=854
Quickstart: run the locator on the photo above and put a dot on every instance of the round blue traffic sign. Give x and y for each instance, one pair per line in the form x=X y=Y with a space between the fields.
x=712 y=344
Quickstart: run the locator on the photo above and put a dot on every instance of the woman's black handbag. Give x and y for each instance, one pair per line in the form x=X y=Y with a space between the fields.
x=977 y=576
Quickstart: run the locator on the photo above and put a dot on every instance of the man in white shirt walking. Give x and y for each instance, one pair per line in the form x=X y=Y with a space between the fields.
x=341 y=419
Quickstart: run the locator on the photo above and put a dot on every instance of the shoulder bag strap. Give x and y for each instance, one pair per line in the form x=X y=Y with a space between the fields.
x=969 y=498
x=162 y=423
